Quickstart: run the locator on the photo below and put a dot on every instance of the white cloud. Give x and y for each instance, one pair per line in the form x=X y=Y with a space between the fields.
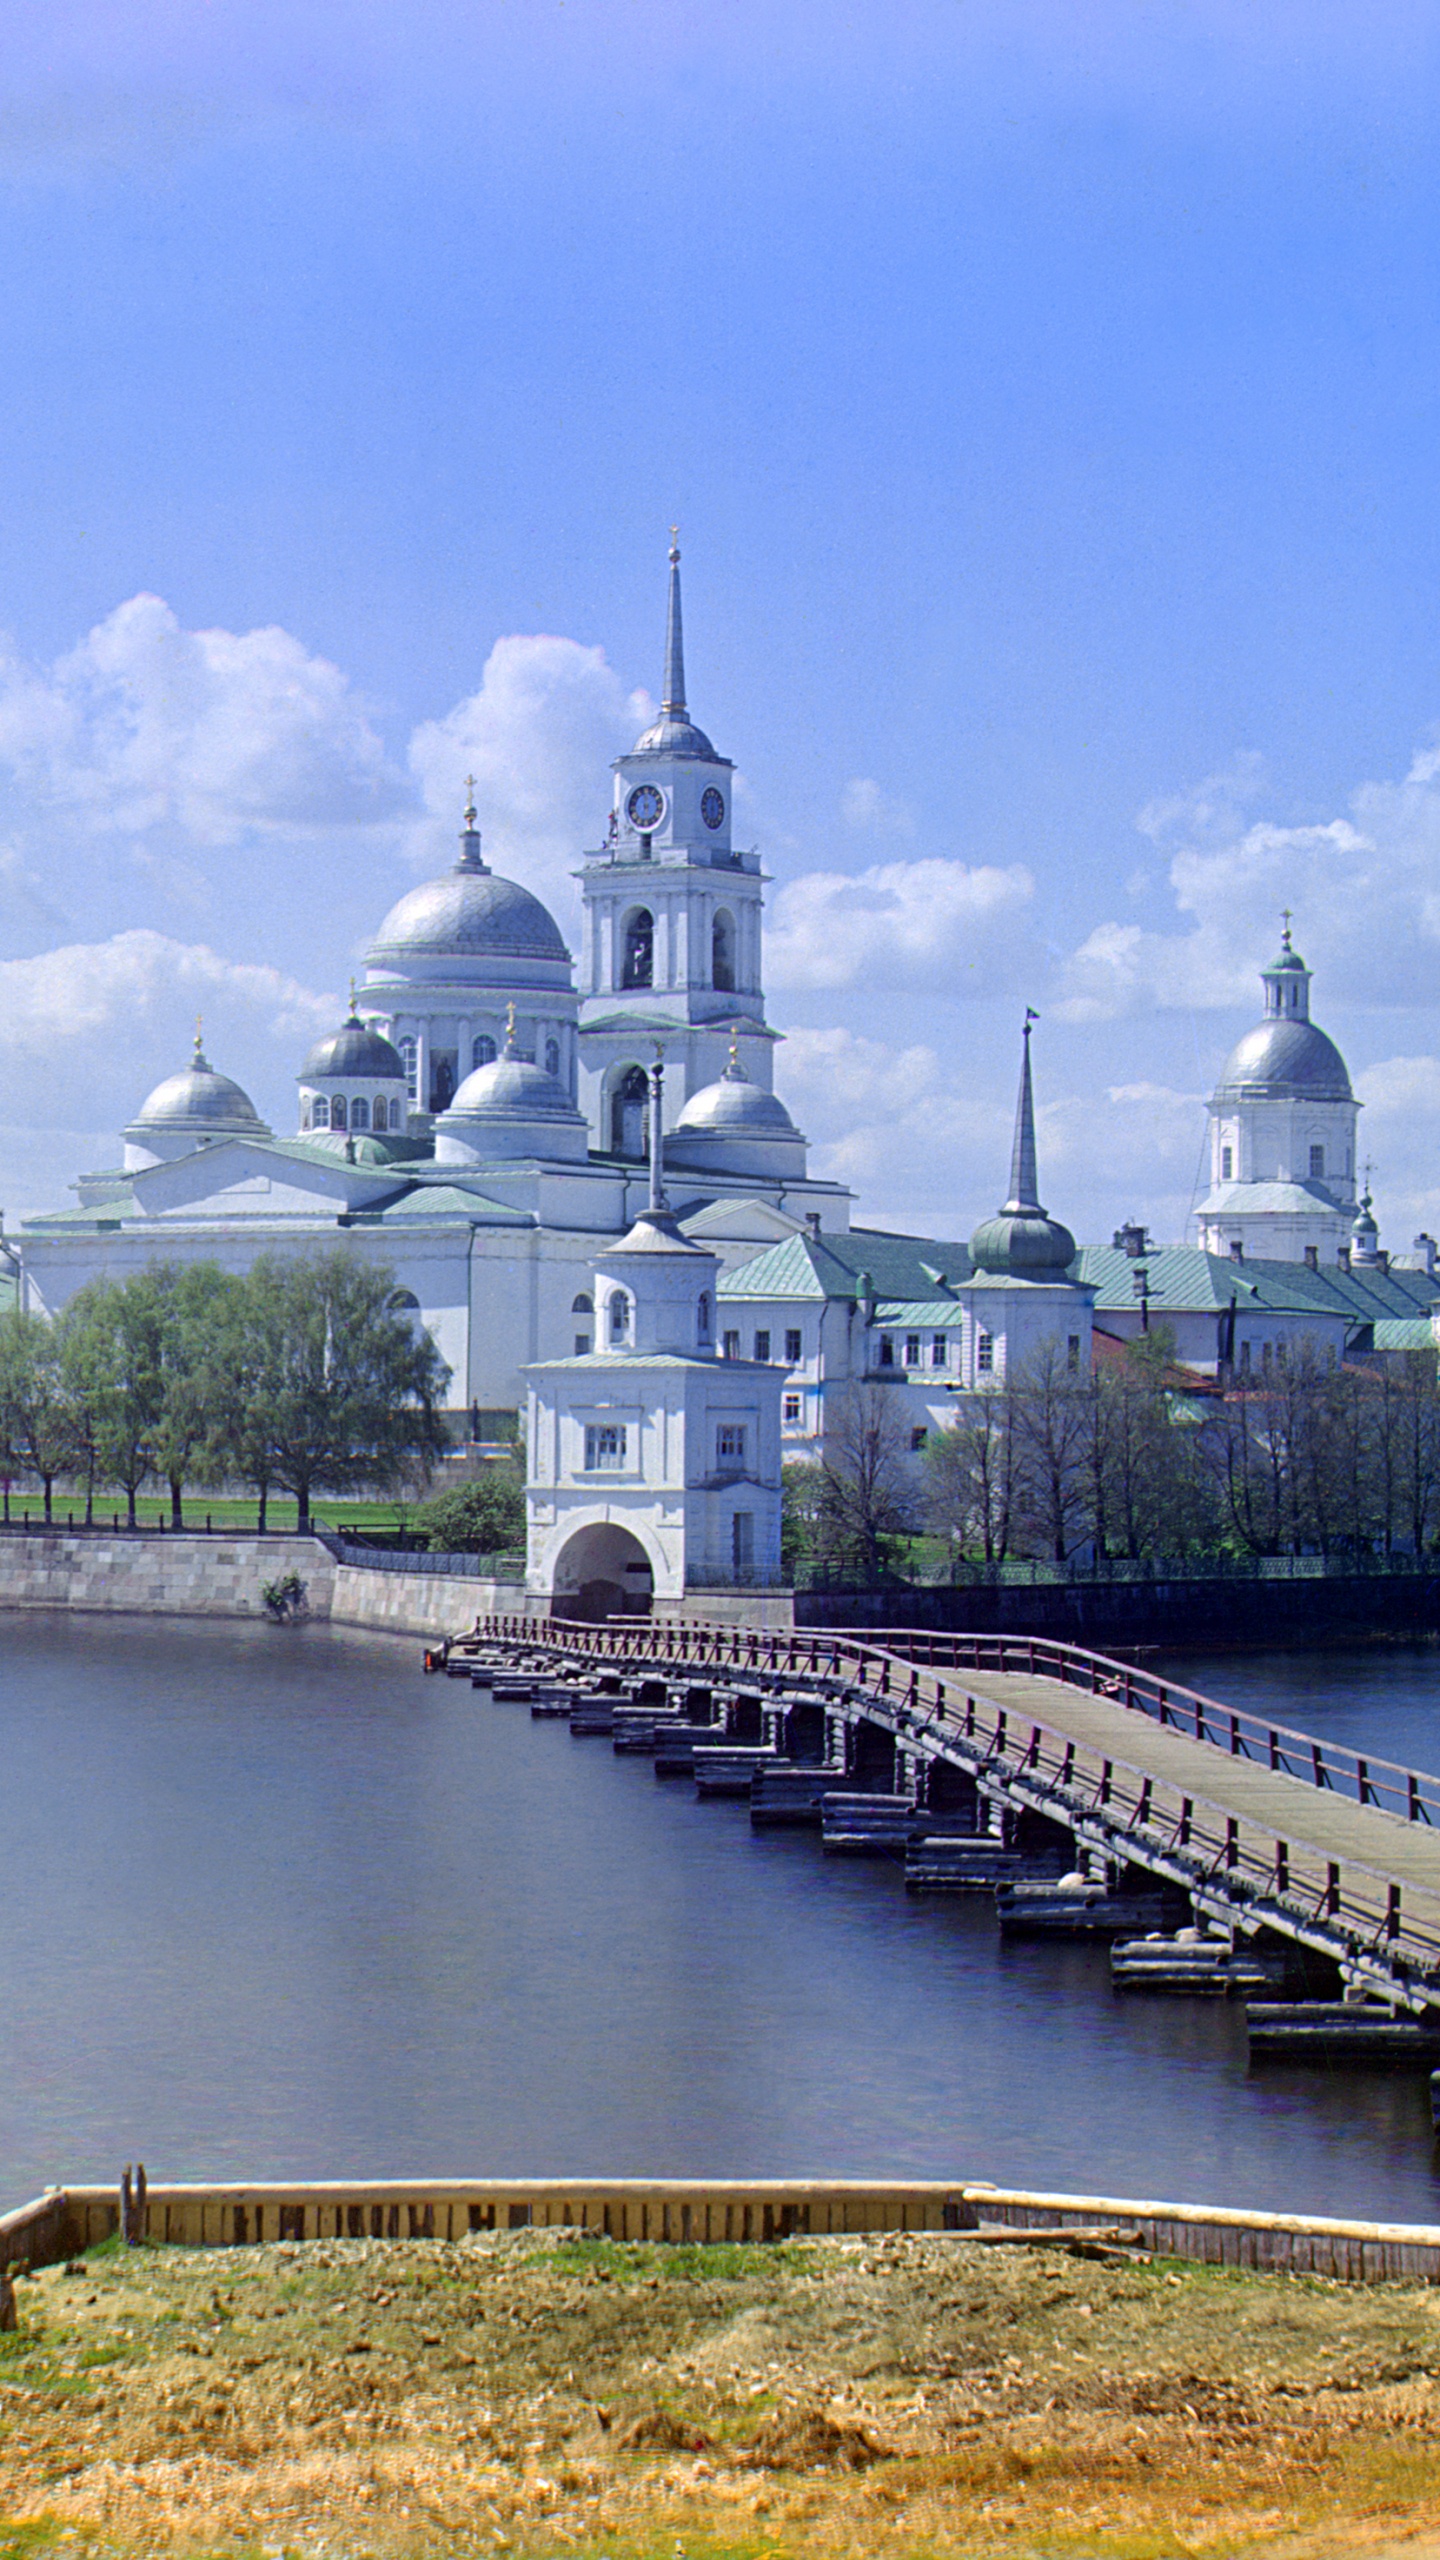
x=146 y=725
x=538 y=734
x=933 y=923
x=1400 y=1136
x=87 y=1030
x=1364 y=889
x=863 y=804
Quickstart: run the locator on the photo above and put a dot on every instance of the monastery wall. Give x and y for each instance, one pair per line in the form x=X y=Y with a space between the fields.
x=420 y=1604
x=181 y=1574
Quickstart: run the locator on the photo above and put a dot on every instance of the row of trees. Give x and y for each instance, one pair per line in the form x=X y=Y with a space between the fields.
x=304 y=1376
x=1323 y=1458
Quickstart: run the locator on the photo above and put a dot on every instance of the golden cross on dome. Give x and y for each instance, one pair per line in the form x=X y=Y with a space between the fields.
x=199 y=1028
x=469 y=799
x=510 y=1027
x=734 y=1047
x=1285 y=920
x=352 y=998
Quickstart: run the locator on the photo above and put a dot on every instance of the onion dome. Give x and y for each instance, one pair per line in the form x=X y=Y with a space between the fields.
x=510 y=1107
x=469 y=914
x=674 y=733
x=1022 y=1241
x=1286 y=1055
x=1365 y=1235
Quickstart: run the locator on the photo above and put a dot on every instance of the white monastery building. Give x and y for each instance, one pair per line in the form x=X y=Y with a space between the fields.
x=1282 y=1133
x=654 y=1464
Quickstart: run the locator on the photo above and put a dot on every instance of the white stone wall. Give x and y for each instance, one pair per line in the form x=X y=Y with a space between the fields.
x=182 y=1575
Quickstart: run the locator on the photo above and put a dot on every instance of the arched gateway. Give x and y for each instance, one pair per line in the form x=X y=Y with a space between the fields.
x=603 y=1571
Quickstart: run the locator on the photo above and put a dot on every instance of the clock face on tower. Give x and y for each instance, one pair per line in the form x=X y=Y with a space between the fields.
x=645 y=807
x=712 y=807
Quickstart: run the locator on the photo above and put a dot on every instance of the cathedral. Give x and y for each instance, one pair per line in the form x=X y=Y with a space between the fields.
x=479 y=1122
x=1282 y=1134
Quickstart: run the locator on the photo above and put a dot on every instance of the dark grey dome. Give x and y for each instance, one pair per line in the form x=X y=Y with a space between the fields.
x=469 y=913
x=1284 y=1057
x=356 y=1049
x=1024 y=1243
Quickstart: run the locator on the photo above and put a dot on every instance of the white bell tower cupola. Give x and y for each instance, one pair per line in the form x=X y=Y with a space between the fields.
x=672 y=921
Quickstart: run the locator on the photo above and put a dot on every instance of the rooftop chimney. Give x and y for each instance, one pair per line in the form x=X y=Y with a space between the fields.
x=812 y=1221
x=1343 y=1257
x=1237 y=1249
x=1312 y=1257
x=1133 y=1239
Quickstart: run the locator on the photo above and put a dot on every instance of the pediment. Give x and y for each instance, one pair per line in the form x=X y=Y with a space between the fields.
x=243 y=1177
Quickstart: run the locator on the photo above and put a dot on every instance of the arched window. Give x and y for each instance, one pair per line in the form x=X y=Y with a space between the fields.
x=639 y=962
x=627 y=1113
x=584 y=1305
x=442 y=1083
x=379 y=1114
x=319 y=1112
x=481 y=1051
x=411 y=1055
x=552 y=1057
x=359 y=1112
x=619 y=1315
x=337 y=1112
x=702 y=1316
x=404 y=1302
x=722 y=952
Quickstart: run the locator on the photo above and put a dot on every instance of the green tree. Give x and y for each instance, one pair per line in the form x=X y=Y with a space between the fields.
x=37 y=1412
x=341 y=1392
x=110 y=1353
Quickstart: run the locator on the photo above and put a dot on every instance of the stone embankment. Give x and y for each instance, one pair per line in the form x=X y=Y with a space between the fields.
x=191 y=1574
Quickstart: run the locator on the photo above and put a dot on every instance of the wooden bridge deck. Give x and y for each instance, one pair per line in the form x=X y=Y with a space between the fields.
x=1332 y=1826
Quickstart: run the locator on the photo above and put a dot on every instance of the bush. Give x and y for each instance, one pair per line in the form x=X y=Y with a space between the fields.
x=475 y=1519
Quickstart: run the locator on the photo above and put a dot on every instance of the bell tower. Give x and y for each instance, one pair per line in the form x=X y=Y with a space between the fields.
x=672 y=922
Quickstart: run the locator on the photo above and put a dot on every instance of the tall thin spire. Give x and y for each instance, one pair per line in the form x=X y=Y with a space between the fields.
x=1024 y=1176
x=673 y=701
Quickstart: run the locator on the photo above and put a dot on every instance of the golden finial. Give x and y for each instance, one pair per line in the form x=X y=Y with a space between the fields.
x=734 y=1048
x=1285 y=920
x=469 y=799
x=510 y=1029
x=352 y=999
x=199 y=1041
x=674 y=542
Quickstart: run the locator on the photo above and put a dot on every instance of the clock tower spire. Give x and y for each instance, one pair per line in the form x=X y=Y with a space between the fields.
x=672 y=919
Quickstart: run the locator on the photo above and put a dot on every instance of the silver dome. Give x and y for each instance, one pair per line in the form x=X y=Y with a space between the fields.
x=356 y=1049
x=671 y=735
x=514 y=1085
x=1285 y=1057
x=469 y=912
x=198 y=1097
x=735 y=1105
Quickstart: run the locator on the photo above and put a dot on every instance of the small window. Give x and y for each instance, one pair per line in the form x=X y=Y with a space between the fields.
x=410 y=1053
x=359 y=1112
x=762 y=1346
x=584 y=1305
x=482 y=1052
x=638 y=963
x=919 y=1436
x=742 y=1545
x=1227 y=1164
x=791 y=1410
x=619 y=1315
x=319 y=1112
x=380 y=1115
x=1244 y=1355
x=702 y=1316
x=939 y=1353
x=912 y=1350
x=604 y=1444
x=730 y=1345
x=582 y=1346
x=337 y=1111
x=1072 y=1354
x=552 y=1057
x=722 y=953
x=1317 y=1164
x=794 y=1346
x=730 y=1445
x=887 y=1350
x=1265 y=1355
x=985 y=1354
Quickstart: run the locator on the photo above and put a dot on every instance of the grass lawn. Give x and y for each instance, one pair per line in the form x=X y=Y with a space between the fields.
x=546 y=2393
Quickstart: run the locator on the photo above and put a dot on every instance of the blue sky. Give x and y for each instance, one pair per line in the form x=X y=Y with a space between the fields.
x=1048 y=400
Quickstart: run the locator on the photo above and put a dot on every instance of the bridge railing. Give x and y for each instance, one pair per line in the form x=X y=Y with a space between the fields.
x=1196 y=1837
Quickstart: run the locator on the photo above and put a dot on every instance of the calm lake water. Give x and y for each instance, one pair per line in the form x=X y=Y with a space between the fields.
x=274 y=1904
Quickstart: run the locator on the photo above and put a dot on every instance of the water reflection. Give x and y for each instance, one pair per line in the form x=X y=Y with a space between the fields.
x=274 y=1904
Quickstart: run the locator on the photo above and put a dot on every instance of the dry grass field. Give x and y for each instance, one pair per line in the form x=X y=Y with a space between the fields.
x=546 y=2394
